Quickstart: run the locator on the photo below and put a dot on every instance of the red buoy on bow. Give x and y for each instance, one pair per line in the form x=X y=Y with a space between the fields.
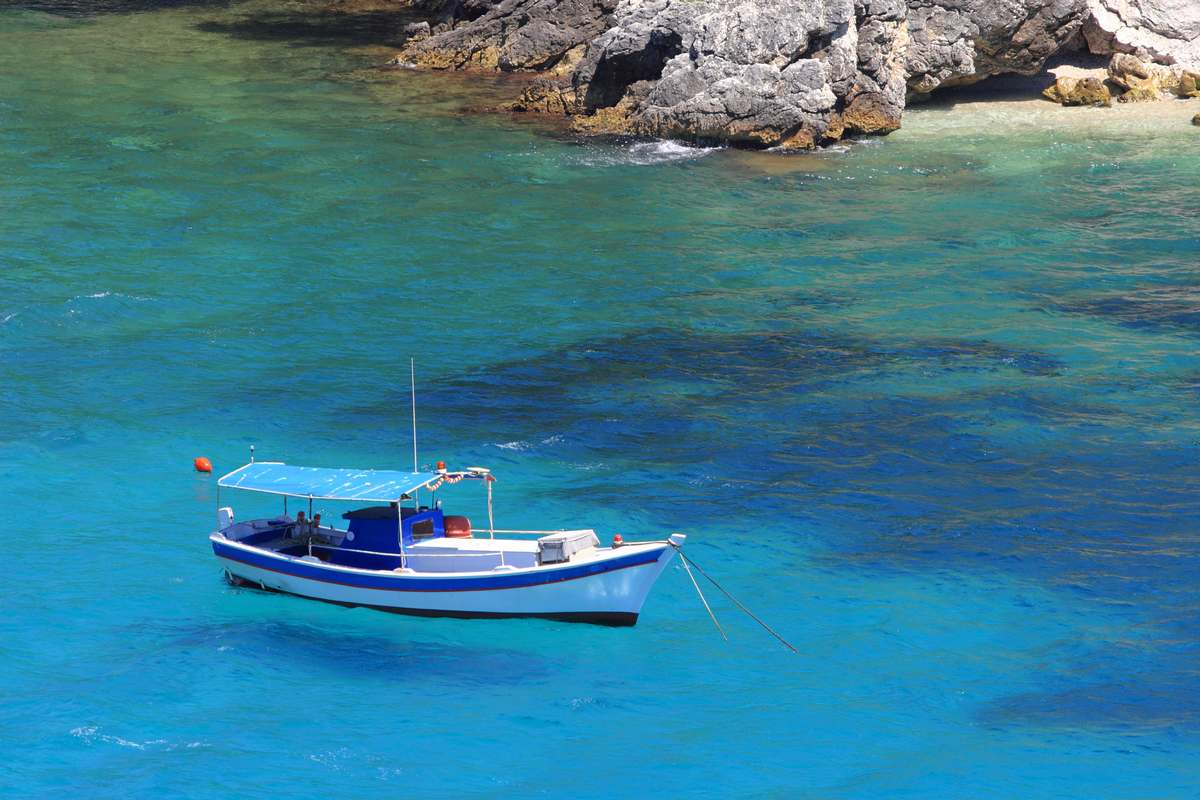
x=202 y=464
x=618 y=541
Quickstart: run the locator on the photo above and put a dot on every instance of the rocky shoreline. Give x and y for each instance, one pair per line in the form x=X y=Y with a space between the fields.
x=1127 y=79
x=795 y=74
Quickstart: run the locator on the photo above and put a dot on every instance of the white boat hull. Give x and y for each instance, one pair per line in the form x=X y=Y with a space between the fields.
x=607 y=590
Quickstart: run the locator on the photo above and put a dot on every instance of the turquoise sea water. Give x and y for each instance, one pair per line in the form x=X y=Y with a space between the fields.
x=928 y=405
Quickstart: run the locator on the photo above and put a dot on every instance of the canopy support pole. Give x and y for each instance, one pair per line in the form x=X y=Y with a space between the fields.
x=400 y=534
x=491 y=520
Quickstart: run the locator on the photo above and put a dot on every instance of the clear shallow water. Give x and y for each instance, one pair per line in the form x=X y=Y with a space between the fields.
x=928 y=405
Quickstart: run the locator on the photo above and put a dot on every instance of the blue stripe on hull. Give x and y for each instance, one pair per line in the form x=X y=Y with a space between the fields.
x=403 y=583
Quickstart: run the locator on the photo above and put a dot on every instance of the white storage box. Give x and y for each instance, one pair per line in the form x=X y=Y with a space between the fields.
x=559 y=547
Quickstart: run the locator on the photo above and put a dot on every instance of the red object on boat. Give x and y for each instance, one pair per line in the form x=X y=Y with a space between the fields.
x=618 y=541
x=202 y=464
x=457 y=527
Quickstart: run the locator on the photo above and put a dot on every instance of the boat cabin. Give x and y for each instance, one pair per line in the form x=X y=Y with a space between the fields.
x=389 y=534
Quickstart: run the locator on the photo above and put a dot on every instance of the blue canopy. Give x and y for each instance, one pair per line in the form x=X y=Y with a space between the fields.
x=368 y=485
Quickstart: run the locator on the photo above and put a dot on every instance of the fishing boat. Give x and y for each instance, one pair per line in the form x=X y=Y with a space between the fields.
x=399 y=552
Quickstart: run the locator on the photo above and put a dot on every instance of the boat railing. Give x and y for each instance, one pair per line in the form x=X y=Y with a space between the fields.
x=424 y=554
x=406 y=557
x=309 y=540
x=512 y=530
x=489 y=531
x=407 y=554
x=332 y=531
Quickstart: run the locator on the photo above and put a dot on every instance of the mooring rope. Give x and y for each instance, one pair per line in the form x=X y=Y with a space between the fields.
x=711 y=615
x=686 y=561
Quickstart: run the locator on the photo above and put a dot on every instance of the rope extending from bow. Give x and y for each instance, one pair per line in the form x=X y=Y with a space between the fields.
x=688 y=563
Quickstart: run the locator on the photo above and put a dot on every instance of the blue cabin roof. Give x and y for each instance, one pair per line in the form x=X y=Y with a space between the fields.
x=367 y=485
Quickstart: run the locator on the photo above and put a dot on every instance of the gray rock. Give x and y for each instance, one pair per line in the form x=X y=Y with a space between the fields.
x=510 y=35
x=416 y=31
x=759 y=72
x=1163 y=31
x=1127 y=71
x=1144 y=81
x=957 y=42
x=791 y=73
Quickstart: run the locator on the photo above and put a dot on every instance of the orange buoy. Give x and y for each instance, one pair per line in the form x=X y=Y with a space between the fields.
x=202 y=464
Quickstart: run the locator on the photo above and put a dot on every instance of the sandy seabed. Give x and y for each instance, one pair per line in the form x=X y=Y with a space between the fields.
x=973 y=115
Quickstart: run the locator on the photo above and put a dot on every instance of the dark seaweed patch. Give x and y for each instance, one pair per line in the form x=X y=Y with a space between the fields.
x=88 y=8
x=771 y=414
x=317 y=648
x=317 y=27
x=1153 y=696
x=1157 y=308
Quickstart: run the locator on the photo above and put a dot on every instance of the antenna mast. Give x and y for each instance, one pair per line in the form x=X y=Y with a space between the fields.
x=412 y=375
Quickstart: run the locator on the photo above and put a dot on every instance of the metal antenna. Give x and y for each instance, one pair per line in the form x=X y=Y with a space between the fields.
x=412 y=374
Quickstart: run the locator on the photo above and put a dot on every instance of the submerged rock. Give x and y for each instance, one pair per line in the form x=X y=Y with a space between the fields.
x=1196 y=120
